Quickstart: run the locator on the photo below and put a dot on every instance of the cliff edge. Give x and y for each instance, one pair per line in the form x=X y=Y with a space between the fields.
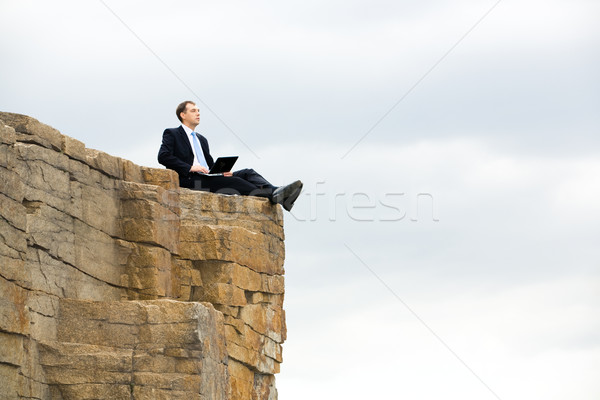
x=117 y=284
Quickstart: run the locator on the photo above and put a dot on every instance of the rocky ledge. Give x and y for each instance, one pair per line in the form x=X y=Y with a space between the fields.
x=117 y=284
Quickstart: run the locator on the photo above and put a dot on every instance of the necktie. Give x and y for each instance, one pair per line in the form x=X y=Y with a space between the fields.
x=198 y=150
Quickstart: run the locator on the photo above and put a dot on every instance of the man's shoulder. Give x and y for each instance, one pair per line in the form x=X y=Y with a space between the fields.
x=173 y=130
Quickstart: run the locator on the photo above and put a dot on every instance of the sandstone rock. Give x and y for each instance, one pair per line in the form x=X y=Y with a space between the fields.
x=242 y=380
x=264 y=319
x=106 y=271
x=33 y=129
x=105 y=163
x=11 y=183
x=13 y=316
x=146 y=218
x=154 y=347
x=210 y=242
x=264 y=387
x=132 y=172
x=12 y=228
x=165 y=178
x=11 y=382
x=73 y=148
x=149 y=269
x=254 y=214
x=54 y=277
x=7 y=133
x=11 y=349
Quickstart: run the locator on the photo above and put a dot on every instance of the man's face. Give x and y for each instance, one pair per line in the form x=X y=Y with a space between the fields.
x=191 y=115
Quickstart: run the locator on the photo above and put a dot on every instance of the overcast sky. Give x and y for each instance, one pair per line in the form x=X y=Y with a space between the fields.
x=446 y=244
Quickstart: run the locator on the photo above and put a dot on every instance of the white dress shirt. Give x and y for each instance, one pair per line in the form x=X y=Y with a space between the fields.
x=188 y=133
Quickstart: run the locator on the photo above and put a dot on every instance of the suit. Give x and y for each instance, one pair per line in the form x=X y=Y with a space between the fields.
x=176 y=153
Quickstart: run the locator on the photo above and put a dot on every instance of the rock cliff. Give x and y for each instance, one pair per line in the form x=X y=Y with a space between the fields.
x=117 y=284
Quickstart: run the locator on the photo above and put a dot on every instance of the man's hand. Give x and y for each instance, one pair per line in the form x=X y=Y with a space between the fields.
x=198 y=168
x=227 y=173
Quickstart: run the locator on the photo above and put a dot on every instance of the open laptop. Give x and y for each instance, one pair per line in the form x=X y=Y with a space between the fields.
x=222 y=164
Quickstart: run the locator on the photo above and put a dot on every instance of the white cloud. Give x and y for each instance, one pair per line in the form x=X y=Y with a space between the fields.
x=496 y=278
x=522 y=342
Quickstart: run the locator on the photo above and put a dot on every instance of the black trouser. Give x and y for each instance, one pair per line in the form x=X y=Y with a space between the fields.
x=246 y=182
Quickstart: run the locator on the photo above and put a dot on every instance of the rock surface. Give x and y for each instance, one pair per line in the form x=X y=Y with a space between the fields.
x=116 y=283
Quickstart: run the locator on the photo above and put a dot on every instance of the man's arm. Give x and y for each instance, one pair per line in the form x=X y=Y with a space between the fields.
x=167 y=155
x=199 y=168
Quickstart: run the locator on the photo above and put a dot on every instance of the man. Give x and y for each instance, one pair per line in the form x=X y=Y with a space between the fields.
x=187 y=152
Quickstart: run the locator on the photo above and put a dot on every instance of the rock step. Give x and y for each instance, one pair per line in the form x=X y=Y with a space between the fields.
x=142 y=349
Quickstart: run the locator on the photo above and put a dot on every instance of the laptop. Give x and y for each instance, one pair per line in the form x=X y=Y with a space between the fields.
x=223 y=164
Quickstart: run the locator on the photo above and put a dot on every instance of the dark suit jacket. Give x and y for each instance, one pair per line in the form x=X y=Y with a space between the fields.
x=176 y=153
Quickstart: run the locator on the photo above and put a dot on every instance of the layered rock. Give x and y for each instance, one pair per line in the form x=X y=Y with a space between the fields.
x=116 y=283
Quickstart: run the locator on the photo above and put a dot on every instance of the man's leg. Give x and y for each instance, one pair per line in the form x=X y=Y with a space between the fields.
x=230 y=185
x=254 y=178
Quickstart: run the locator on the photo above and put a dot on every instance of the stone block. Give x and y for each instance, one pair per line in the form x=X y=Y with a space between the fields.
x=242 y=380
x=52 y=230
x=11 y=382
x=44 y=175
x=165 y=178
x=84 y=358
x=73 y=148
x=156 y=361
x=86 y=176
x=13 y=269
x=14 y=317
x=220 y=293
x=7 y=133
x=149 y=271
x=215 y=271
x=92 y=391
x=55 y=277
x=149 y=215
x=97 y=254
x=264 y=319
x=112 y=324
x=152 y=393
x=253 y=349
x=132 y=172
x=34 y=153
x=43 y=311
x=228 y=310
x=12 y=351
x=11 y=184
x=253 y=213
x=264 y=387
x=273 y=284
x=100 y=209
x=104 y=163
x=211 y=242
x=179 y=349
x=13 y=212
x=14 y=239
x=276 y=300
x=183 y=277
x=33 y=129
x=169 y=381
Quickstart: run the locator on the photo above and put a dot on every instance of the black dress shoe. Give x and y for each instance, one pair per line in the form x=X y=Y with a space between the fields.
x=287 y=195
x=288 y=203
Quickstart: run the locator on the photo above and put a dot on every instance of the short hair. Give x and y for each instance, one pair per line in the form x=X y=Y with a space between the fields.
x=181 y=108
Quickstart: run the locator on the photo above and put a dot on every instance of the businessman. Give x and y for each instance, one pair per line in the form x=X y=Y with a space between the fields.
x=187 y=152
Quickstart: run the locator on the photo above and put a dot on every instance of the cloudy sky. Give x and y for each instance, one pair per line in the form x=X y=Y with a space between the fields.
x=446 y=243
